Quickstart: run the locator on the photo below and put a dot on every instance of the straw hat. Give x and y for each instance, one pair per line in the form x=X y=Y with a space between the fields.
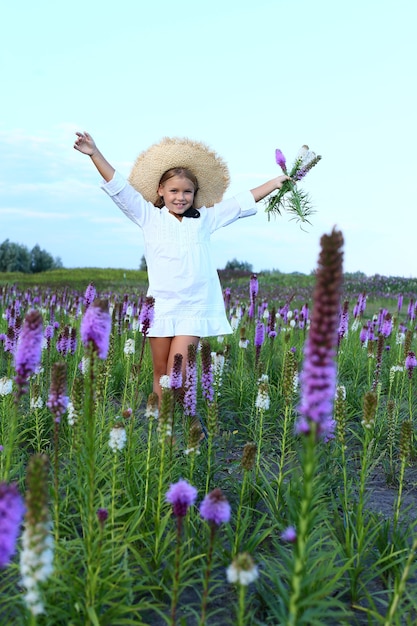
x=211 y=171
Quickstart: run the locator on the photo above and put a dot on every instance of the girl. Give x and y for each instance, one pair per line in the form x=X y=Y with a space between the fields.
x=174 y=195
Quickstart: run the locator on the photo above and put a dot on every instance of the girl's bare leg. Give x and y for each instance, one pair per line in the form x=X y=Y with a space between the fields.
x=163 y=351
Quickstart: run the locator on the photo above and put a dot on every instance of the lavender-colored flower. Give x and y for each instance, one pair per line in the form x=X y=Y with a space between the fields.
x=147 y=314
x=259 y=334
x=400 y=302
x=410 y=363
x=411 y=312
x=207 y=371
x=387 y=325
x=58 y=399
x=12 y=509
x=190 y=385
x=318 y=377
x=259 y=339
x=89 y=295
x=96 y=327
x=29 y=349
x=253 y=286
x=280 y=160
x=176 y=372
x=181 y=495
x=289 y=534
x=215 y=508
x=363 y=336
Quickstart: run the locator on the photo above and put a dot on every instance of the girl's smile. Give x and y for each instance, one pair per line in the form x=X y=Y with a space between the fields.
x=178 y=194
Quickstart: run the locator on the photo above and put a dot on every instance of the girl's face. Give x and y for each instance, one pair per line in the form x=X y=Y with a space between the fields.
x=178 y=195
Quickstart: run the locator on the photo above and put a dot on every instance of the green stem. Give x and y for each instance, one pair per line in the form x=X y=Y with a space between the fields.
x=304 y=520
x=241 y=609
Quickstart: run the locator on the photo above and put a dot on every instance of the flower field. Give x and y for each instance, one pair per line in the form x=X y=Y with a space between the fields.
x=274 y=484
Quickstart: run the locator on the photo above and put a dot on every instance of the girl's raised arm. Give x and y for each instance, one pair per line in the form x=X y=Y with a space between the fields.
x=259 y=193
x=86 y=144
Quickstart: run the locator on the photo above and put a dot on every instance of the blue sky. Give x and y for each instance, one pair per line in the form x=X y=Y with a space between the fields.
x=244 y=77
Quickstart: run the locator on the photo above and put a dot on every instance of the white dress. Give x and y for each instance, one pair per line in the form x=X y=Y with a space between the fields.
x=182 y=277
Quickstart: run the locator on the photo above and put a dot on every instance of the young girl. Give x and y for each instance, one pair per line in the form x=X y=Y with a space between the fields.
x=174 y=195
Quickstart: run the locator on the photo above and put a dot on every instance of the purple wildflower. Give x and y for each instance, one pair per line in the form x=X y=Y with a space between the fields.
x=147 y=313
x=12 y=509
x=387 y=325
x=207 y=371
x=176 y=372
x=29 y=349
x=259 y=339
x=190 y=395
x=58 y=400
x=289 y=534
x=411 y=310
x=181 y=495
x=280 y=160
x=318 y=377
x=253 y=286
x=215 y=508
x=363 y=336
x=49 y=333
x=410 y=363
x=102 y=515
x=96 y=327
x=400 y=303
x=89 y=295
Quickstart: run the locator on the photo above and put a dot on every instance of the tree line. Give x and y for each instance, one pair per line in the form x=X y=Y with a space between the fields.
x=15 y=257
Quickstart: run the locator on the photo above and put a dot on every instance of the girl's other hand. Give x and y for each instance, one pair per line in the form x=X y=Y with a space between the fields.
x=85 y=143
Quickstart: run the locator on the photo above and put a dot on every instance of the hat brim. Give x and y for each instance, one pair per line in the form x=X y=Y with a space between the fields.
x=210 y=170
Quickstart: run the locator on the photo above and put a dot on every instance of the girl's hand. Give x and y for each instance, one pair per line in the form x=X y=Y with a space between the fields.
x=85 y=144
x=281 y=180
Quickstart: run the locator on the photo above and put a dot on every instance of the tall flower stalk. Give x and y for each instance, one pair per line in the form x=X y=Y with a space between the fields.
x=57 y=404
x=152 y=413
x=95 y=335
x=181 y=495
x=27 y=359
x=36 y=557
x=318 y=383
x=215 y=509
x=247 y=463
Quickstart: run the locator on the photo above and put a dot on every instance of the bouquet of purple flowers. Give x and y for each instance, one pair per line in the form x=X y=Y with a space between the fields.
x=289 y=197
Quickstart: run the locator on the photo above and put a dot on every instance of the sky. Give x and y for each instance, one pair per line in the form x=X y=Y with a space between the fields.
x=245 y=77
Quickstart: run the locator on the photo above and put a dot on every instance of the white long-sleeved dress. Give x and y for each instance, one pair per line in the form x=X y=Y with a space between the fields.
x=182 y=277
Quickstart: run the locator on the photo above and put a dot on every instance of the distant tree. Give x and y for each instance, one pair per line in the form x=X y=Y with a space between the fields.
x=143 y=267
x=42 y=261
x=15 y=257
x=236 y=265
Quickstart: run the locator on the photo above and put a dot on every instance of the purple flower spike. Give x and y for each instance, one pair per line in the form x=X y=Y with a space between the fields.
x=147 y=314
x=96 y=326
x=281 y=161
x=181 y=495
x=215 y=508
x=176 y=372
x=12 y=510
x=318 y=377
x=58 y=399
x=89 y=296
x=410 y=363
x=29 y=349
